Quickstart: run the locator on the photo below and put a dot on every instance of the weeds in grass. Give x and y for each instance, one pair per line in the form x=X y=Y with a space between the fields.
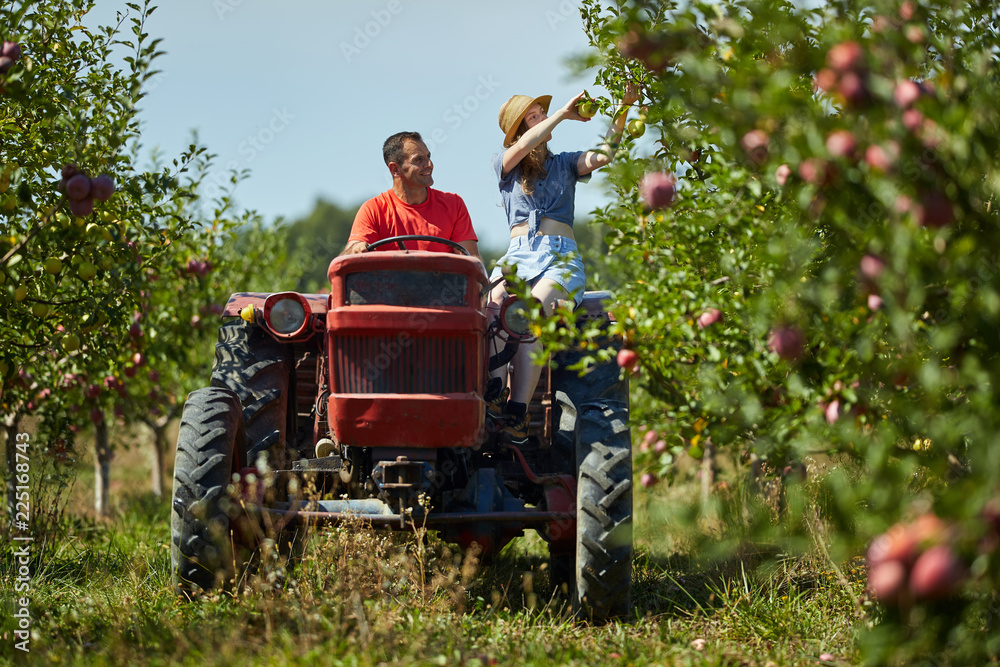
x=349 y=594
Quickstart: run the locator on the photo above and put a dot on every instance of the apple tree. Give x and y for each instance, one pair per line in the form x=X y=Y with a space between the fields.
x=172 y=336
x=83 y=225
x=806 y=244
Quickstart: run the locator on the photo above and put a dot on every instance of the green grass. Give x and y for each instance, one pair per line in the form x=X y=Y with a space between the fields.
x=360 y=597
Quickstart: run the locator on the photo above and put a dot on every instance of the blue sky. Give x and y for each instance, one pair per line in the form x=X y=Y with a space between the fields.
x=304 y=93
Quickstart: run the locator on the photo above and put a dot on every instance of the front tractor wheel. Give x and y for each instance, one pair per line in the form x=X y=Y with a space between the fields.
x=201 y=543
x=256 y=368
x=604 y=511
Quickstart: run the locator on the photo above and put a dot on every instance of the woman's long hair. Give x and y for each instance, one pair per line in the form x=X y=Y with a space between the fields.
x=533 y=164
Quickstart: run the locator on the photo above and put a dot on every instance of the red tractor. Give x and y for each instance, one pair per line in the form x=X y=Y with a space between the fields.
x=372 y=397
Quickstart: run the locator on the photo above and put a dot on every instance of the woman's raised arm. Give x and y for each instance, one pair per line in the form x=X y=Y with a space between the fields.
x=538 y=132
x=592 y=160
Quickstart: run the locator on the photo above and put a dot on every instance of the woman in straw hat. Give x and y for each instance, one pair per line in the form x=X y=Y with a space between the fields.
x=538 y=188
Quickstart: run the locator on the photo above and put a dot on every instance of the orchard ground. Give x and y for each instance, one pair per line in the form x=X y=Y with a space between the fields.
x=365 y=597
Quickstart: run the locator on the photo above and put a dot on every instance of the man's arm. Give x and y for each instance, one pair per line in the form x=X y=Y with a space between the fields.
x=473 y=249
x=354 y=247
x=362 y=229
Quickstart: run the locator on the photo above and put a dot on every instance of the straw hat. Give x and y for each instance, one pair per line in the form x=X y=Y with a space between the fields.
x=512 y=113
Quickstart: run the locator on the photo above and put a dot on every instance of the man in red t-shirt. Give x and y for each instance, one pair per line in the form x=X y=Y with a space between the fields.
x=412 y=206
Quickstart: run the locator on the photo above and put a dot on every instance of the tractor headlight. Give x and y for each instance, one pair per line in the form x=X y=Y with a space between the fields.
x=515 y=317
x=286 y=314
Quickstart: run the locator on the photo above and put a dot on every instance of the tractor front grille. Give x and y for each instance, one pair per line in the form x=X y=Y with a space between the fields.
x=385 y=364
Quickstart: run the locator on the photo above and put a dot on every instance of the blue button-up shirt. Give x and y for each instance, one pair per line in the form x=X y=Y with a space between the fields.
x=552 y=197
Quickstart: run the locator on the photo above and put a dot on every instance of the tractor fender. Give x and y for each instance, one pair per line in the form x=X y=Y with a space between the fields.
x=318 y=303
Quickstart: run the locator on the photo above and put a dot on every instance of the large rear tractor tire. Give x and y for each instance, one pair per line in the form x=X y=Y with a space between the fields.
x=201 y=544
x=604 y=512
x=572 y=392
x=258 y=369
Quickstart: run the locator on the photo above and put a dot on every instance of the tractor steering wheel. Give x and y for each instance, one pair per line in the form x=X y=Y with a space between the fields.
x=416 y=237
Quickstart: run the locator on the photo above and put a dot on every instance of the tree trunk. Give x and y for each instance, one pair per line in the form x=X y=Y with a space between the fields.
x=707 y=473
x=102 y=469
x=11 y=425
x=159 y=449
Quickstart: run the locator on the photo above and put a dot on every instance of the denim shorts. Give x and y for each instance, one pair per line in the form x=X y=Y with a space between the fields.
x=546 y=256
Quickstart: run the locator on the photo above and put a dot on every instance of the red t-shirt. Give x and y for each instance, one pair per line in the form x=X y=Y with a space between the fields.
x=442 y=214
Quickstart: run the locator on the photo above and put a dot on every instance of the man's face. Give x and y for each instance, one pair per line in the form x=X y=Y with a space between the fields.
x=416 y=168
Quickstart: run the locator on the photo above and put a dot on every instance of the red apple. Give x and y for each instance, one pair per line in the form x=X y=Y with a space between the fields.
x=853 y=88
x=755 y=143
x=102 y=187
x=650 y=436
x=627 y=359
x=902 y=204
x=814 y=170
x=825 y=80
x=787 y=342
x=129 y=371
x=658 y=189
x=154 y=376
x=907 y=92
x=831 y=411
x=138 y=359
x=935 y=210
x=915 y=34
x=782 y=173
x=92 y=391
x=660 y=446
x=896 y=544
x=709 y=317
x=81 y=207
x=97 y=415
x=845 y=56
x=795 y=470
x=11 y=50
x=912 y=119
x=878 y=158
x=872 y=267
x=648 y=479
x=841 y=143
x=928 y=529
x=78 y=186
x=886 y=580
x=135 y=331
x=936 y=574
